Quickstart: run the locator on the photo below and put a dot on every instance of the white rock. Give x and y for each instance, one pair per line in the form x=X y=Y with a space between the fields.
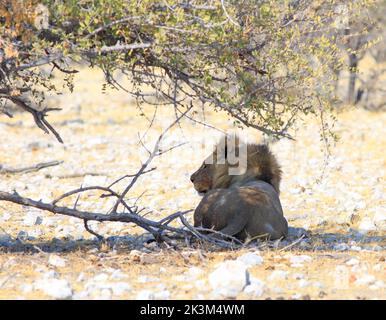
x=56 y=261
x=31 y=219
x=255 y=288
x=118 y=275
x=366 y=225
x=56 y=288
x=101 y=277
x=251 y=259
x=162 y=270
x=380 y=220
x=145 y=295
x=366 y=279
x=194 y=273
x=50 y=274
x=352 y=262
x=36 y=233
x=90 y=181
x=105 y=294
x=379 y=217
x=379 y=284
x=146 y=279
x=27 y=288
x=229 y=279
x=278 y=275
x=162 y=295
x=199 y=284
x=81 y=277
x=299 y=259
x=5 y=216
x=378 y=267
x=120 y=288
x=303 y=283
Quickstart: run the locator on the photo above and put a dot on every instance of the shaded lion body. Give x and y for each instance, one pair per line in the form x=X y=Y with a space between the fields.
x=243 y=206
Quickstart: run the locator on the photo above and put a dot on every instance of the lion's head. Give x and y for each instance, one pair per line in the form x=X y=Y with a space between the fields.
x=256 y=162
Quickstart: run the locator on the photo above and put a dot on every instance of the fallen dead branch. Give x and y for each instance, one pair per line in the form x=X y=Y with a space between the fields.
x=36 y=167
x=122 y=211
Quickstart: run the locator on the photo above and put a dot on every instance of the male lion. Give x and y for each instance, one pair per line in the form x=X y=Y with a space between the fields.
x=243 y=205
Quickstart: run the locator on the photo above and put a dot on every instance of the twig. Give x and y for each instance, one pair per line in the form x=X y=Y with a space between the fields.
x=292 y=244
x=36 y=167
x=100 y=238
x=153 y=154
x=39 y=116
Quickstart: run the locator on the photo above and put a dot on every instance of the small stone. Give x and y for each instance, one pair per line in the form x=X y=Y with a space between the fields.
x=194 y=273
x=379 y=284
x=31 y=219
x=120 y=288
x=148 y=258
x=105 y=294
x=89 y=181
x=229 y=279
x=56 y=261
x=352 y=262
x=303 y=283
x=146 y=279
x=296 y=296
x=300 y=259
x=145 y=295
x=55 y=288
x=251 y=259
x=278 y=275
x=162 y=295
x=366 y=225
x=365 y=280
x=81 y=277
x=5 y=216
x=255 y=288
x=135 y=255
x=101 y=277
x=118 y=275
x=27 y=288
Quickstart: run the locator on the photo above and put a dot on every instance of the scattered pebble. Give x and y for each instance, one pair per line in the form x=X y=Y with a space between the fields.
x=251 y=259
x=55 y=288
x=255 y=288
x=229 y=278
x=366 y=225
x=56 y=261
x=352 y=262
x=278 y=275
x=145 y=295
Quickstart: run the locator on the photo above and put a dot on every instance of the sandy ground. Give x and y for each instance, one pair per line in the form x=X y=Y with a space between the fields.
x=340 y=202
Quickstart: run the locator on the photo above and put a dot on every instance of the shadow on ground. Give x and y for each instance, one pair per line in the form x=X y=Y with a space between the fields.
x=298 y=238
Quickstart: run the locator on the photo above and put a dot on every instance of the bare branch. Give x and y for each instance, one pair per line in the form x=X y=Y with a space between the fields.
x=36 y=167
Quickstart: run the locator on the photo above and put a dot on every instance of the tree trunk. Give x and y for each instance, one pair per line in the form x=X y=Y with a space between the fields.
x=353 y=65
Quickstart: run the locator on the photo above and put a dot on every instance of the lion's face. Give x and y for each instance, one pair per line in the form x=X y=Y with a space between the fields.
x=203 y=178
x=219 y=170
